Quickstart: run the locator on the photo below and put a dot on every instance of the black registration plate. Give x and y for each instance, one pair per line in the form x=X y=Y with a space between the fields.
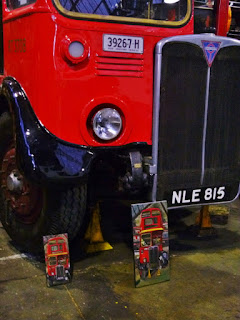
x=196 y=196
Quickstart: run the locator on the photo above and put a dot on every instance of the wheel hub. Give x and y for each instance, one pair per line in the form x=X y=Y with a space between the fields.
x=15 y=182
x=22 y=197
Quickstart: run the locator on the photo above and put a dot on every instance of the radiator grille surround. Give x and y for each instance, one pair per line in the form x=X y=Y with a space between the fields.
x=153 y=255
x=60 y=272
x=196 y=129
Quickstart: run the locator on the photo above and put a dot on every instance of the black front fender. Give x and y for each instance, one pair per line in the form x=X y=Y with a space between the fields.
x=41 y=156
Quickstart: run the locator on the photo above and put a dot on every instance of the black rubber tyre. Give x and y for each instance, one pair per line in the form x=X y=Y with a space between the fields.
x=143 y=274
x=59 y=211
x=49 y=282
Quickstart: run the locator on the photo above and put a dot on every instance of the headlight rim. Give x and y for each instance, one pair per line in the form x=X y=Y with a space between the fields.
x=87 y=112
x=118 y=134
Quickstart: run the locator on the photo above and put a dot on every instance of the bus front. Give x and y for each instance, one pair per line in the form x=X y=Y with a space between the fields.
x=120 y=87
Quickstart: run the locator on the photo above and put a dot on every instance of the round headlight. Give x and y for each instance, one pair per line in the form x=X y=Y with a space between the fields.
x=76 y=49
x=107 y=124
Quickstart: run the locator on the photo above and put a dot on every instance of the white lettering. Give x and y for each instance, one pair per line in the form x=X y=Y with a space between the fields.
x=211 y=48
x=221 y=193
x=214 y=193
x=195 y=195
x=184 y=200
x=176 y=196
x=208 y=194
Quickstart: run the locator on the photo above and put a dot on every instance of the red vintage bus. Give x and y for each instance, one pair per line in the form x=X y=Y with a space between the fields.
x=151 y=254
x=119 y=85
x=152 y=257
x=57 y=260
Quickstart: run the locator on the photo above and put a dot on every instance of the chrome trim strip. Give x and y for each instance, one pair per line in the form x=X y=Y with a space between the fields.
x=156 y=111
x=205 y=125
x=197 y=39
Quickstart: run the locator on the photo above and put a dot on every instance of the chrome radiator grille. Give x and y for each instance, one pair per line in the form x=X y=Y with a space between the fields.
x=196 y=137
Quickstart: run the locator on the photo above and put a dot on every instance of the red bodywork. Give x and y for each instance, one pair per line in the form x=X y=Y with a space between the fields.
x=64 y=95
x=222 y=17
x=154 y=237
x=57 y=256
x=151 y=218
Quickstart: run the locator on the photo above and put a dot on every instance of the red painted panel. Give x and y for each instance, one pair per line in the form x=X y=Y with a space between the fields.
x=63 y=95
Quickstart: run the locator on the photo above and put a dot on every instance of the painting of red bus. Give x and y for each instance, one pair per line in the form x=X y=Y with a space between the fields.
x=57 y=259
x=150 y=243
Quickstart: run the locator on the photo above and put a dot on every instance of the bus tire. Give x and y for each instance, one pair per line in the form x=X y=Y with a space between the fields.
x=49 y=282
x=33 y=211
x=143 y=274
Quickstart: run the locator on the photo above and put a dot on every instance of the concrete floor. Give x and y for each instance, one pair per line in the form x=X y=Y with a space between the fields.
x=205 y=277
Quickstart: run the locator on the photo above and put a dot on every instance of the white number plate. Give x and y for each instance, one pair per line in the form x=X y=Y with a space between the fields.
x=117 y=43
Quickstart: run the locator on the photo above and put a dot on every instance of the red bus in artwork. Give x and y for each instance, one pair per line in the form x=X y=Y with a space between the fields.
x=151 y=218
x=152 y=257
x=113 y=93
x=57 y=260
x=151 y=254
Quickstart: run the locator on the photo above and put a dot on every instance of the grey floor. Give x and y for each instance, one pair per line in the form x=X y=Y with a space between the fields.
x=205 y=277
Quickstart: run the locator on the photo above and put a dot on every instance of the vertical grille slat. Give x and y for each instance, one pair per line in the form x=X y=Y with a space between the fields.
x=153 y=255
x=60 y=271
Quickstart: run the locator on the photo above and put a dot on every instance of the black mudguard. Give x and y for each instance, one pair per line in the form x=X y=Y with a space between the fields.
x=41 y=156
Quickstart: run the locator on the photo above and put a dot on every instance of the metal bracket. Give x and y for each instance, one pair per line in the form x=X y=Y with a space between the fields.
x=137 y=168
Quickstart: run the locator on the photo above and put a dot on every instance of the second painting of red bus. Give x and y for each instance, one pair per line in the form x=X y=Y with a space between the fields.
x=150 y=242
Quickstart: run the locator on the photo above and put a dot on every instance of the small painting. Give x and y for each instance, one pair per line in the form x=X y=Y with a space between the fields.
x=150 y=243
x=57 y=259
